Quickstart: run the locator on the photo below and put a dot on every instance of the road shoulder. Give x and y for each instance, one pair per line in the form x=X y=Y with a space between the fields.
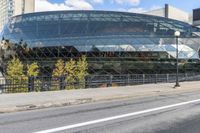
x=39 y=100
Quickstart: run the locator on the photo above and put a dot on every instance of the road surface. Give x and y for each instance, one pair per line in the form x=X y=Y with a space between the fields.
x=179 y=113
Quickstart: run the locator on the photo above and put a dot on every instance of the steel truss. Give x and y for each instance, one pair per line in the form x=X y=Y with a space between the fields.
x=114 y=42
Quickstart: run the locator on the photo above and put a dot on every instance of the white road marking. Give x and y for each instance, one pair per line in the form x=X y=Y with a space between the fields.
x=116 y=117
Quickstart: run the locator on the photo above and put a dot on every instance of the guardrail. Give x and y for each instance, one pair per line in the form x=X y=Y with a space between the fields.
x=31 y=84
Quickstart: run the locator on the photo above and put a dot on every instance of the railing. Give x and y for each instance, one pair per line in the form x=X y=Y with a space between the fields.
x=31 y=84
x=123 y=80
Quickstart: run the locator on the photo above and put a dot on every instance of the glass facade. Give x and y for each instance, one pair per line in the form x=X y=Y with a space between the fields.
x=114 y=42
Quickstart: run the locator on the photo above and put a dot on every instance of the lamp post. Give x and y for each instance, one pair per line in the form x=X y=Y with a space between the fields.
x=177 y=35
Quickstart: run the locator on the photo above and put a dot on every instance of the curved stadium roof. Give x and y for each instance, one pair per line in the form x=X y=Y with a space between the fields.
x=89 y=23
x=106 y=30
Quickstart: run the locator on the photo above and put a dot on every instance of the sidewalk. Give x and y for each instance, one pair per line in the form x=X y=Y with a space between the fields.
x=36 y=100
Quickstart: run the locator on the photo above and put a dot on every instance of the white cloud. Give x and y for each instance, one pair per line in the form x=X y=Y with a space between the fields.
x=140 y=9
x=155 y=7
x=131 y=2
x=45 y=5
x=78 y=4
x=98 y=1
x=137 y=10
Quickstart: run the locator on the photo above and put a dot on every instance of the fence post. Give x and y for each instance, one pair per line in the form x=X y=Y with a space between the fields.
x=2 y=85
x=89 y=82
x=85 y=82
x=110 y=81
x=143 y=78
x=167 y=78
x=128 y=79
x=186 y=77
x=156 y=78
x=30 y=83
x=62 y=82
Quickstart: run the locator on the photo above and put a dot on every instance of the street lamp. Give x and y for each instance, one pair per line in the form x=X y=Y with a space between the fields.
x=177 y=35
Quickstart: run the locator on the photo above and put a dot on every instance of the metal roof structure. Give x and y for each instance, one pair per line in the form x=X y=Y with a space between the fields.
x=103 y=31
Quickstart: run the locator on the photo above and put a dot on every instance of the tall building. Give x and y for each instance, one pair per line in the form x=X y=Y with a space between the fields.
x=9 y=8
x=6 y=11
x=196 y=17
x=171 y=12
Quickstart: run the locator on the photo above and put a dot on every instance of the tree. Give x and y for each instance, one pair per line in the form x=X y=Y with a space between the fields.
x=58 y=72
x=81 y=71
x=33 y=70
x=59 y=69
x=16 y=75
x=15 y=68
x=70 y=69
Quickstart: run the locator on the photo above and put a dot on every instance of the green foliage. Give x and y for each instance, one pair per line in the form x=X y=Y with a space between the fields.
x=15 y=74
x=32 y=70
x=81 y=71
x=70 y=69
x=59 y=69
x=75 y=72
x=15 y=68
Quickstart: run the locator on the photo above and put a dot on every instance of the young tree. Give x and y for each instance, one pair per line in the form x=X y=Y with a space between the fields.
x=70 y=69
x=59 y=69
x=81 y=71
x=33 y=70
x=16 y=75
x=15 y=68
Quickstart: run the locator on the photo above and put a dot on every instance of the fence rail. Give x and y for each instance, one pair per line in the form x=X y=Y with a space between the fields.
x=31 y=84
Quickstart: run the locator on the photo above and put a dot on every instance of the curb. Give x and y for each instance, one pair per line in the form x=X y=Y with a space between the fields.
x=69 y=102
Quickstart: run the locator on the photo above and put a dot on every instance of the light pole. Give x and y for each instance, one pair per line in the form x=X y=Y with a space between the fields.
x=177 y=35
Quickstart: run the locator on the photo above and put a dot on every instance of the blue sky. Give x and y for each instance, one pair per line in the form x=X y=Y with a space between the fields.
x=118 y=5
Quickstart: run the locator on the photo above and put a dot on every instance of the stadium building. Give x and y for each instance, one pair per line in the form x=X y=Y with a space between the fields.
x=114 y=42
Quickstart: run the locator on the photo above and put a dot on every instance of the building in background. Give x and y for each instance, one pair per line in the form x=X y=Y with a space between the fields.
x=196 y=17
x=6 y=11
x=172 y=13
x=24 y=6
x=9 y=8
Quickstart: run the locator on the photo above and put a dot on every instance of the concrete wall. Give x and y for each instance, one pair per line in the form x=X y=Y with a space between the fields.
x=29 y=6
x=24 y=6
x=197 y=23
x=158 y=12
x=178 y=14
x=18 y=7
x=172 y=13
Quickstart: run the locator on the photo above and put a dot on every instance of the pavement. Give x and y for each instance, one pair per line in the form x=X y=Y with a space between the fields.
x=164 y=113
x=38 y=100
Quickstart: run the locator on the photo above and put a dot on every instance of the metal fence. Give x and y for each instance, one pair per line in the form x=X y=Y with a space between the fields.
x=31 y=84
x=123 y=80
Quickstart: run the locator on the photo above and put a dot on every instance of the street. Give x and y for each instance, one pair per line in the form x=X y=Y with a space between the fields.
x=178 y=113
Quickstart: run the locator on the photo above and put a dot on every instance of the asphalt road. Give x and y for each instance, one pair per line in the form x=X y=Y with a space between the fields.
x=162 y=114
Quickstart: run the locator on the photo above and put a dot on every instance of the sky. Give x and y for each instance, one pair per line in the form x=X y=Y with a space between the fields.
x=137 y=6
